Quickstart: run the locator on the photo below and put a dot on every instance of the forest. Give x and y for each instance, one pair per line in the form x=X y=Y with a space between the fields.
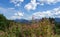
x=46 y=27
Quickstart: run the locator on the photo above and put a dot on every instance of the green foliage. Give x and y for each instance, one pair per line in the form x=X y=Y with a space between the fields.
x=57 y=26
x=2 y=22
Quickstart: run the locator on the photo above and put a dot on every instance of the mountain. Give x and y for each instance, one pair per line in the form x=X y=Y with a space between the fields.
x=22 y=21
x=57 y=19
x=29 y=21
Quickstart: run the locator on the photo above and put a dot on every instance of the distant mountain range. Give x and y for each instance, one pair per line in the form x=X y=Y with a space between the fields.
x=57 y=19
x=22 y=20
x=29 y=21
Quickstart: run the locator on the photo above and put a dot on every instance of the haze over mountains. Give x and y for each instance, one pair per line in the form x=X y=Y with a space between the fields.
x=28 y=21
x=57 y=19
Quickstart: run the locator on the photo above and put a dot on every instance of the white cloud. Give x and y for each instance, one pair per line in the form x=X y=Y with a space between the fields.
x=32 y=5
x=28 y=18
x=17 y=5
x=49 y=1
x=55 y=13
x=11 y=13
x=17 y=2
x=17 y=15
x=42 y=14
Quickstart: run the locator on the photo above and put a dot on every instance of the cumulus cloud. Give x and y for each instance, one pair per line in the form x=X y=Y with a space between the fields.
x=42 y=14
x=17 y=2
x=17 y=15
x=55 y=13
x=33 y=3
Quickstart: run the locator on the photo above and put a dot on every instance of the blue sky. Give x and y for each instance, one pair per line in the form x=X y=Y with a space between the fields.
x=26 y=9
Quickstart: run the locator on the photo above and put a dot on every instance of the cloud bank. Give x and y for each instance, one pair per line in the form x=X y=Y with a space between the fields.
x=54 y=13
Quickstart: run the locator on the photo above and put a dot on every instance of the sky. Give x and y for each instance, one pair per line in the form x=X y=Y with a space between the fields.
x=26 y=9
